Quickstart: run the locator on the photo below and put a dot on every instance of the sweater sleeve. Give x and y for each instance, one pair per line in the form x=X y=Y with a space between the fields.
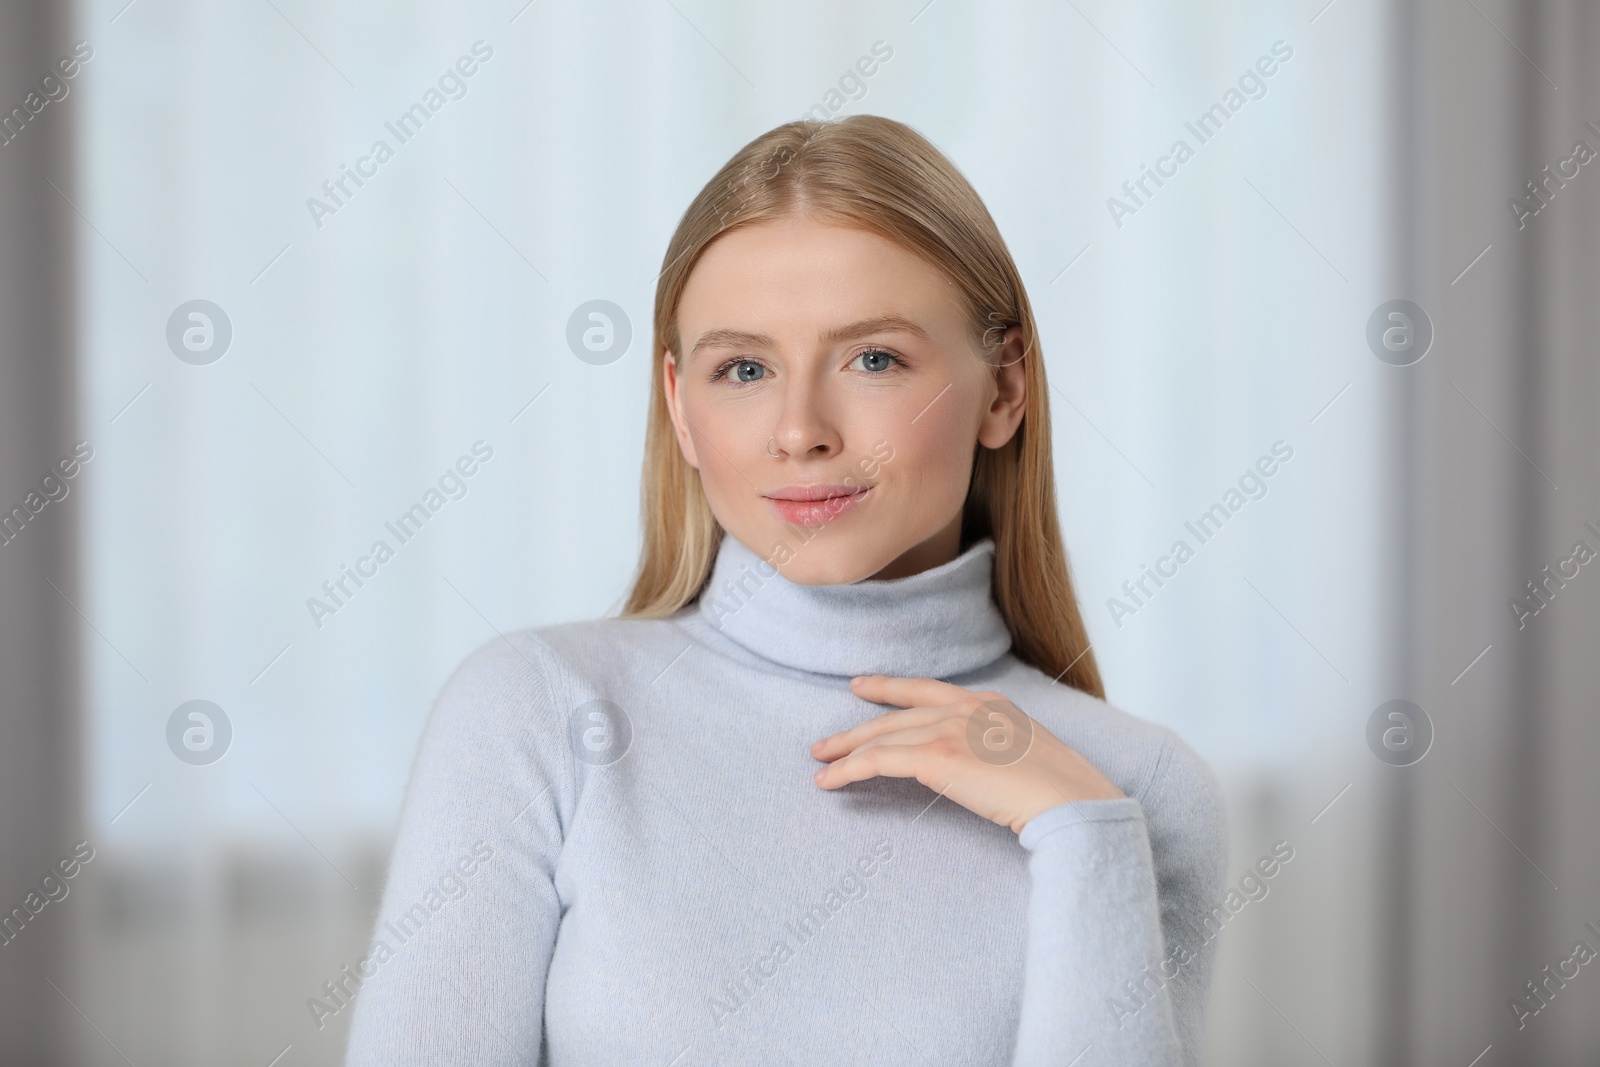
x=463 y=939
x=1112 y=973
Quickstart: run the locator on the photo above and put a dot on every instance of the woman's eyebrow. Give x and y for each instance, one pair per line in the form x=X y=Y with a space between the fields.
x=725 y=338
x=867 y=327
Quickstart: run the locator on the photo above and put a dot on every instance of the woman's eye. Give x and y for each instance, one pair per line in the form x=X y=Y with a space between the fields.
x=748 y=371
x=875 y=359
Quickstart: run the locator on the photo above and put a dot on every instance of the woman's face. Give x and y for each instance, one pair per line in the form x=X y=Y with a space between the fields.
x=830 y=394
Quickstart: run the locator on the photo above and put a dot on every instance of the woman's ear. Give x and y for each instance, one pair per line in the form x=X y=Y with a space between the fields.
x=1010 y=401
x=674 y=396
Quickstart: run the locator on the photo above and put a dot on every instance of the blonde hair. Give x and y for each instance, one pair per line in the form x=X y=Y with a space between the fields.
x=875 y=174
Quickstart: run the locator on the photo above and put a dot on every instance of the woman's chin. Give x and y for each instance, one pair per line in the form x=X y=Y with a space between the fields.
x=826 y=575
x=833 y=555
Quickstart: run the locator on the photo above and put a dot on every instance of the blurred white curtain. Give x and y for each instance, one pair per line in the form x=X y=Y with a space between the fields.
x=374 y=345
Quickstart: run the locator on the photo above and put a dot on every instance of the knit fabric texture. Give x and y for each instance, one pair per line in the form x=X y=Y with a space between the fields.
x=612 y=851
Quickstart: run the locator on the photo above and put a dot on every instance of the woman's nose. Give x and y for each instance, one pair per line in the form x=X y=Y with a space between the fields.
x=804 y=426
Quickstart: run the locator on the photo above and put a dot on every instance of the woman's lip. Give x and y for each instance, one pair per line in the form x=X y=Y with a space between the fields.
x=814 y=492
x=818 y=512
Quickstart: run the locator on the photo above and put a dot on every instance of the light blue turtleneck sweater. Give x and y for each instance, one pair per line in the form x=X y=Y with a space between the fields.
x=612 y=852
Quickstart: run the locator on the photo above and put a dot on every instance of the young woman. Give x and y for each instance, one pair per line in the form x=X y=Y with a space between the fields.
x=840 y=785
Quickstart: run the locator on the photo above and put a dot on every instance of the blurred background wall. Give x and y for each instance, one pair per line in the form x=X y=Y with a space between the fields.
x=351 y=344
x=41 y=707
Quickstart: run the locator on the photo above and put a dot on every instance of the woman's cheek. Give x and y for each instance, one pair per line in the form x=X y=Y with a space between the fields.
x=933 y=457
x=941 y=439
x=726 y=442
x=717 y=469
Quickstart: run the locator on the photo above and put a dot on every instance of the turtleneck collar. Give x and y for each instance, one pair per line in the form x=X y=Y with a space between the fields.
x=936 y=624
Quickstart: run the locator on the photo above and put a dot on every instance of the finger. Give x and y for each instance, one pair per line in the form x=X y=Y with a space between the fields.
x=839 y=744
x=913 y=733
x=907 y=692
x=889 y=761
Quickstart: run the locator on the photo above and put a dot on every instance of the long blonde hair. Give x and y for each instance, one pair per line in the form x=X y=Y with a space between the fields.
x=875 y=174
